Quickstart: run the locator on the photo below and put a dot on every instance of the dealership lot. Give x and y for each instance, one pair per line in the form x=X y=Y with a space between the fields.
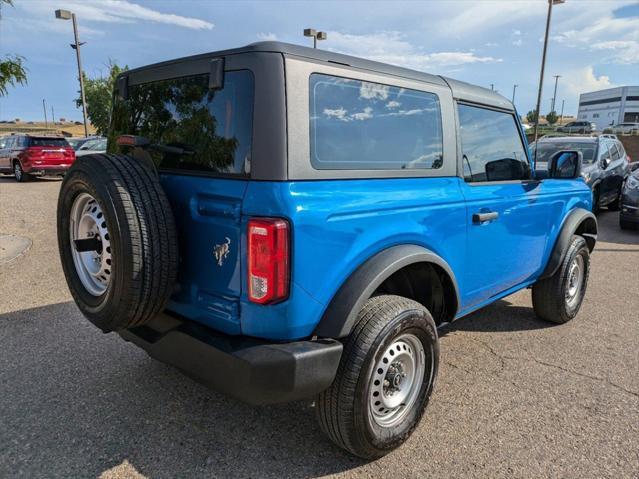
x=516 y=397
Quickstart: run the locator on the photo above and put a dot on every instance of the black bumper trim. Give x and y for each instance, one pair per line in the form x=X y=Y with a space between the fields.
x=252 y=370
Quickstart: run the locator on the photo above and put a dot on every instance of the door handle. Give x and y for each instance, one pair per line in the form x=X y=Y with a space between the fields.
x=479 y=218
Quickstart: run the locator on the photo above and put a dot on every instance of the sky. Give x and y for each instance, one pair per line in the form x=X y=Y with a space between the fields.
x=594 y=43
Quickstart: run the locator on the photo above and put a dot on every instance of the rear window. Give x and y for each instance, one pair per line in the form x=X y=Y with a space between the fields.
x=201 y=130
x=546 y=150
x=357 y=125
x=59 y=142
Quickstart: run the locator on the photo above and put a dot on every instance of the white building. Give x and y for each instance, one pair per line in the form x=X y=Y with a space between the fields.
x=610 y=107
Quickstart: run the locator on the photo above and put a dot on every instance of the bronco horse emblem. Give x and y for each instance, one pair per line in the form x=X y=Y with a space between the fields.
x=221 y=251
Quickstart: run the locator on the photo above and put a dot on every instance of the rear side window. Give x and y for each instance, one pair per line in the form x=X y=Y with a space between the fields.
x=357 y=125
x=59 y=142
x=614 y=152
x=194 y=128
x=491 y=146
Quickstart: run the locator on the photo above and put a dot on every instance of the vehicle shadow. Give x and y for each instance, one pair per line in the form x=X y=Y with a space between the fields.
x=500 y=316
x=78 y=403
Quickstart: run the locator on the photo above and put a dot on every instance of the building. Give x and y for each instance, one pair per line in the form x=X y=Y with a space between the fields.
x=610 y=107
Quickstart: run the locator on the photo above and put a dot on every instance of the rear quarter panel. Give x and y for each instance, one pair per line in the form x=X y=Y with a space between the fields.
x=337 y=225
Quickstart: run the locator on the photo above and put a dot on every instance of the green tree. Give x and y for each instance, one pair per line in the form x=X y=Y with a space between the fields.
x=531 y=116
x=552 y=118
x=12 y=69
x=99 y=96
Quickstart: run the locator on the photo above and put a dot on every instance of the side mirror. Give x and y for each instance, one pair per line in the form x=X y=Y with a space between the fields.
x=605 y=162
x=566 y=164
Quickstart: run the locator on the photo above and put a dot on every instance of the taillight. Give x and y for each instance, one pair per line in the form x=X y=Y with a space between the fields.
x=268 y=260
x=33 y=152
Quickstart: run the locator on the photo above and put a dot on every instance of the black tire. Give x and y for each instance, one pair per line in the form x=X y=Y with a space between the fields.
x=616 y=204
x=627 y=225
x=343 y=410
x=595 y=200
x=19 y=174
x=143 y=240
x=549 y=295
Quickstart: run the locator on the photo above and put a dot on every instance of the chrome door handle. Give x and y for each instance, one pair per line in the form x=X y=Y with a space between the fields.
x=479 y=218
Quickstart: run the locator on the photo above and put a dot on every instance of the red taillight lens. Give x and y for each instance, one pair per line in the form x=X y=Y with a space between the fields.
x=268 y=260
x=31 y=152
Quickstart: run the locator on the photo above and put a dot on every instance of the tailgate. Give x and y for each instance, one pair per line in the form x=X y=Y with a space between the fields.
x=208 y=219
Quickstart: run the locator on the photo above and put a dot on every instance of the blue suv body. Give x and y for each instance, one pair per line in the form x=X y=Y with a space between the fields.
x=316 y=194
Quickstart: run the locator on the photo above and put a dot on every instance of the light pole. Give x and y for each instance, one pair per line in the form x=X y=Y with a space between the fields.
x=543 y=64
x=554 y=95
x=514 y=89
x=492 y=87
x=561 y=117
x=44 y=108
x=67 y=15
x=311 y=32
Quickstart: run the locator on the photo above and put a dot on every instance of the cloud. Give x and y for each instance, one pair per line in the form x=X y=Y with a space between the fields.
x=595 y=37
x=113 y=11
x=393 y=48
x=519 y=42
x=267 y=37
x=622 y=51
x=364 y=115
x=584 y=80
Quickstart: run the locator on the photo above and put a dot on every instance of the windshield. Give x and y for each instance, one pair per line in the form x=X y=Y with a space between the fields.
x=546 y=150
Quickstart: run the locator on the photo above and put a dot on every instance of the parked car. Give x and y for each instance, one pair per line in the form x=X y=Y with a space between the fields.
x=629 y=214
x=30 y=155
x=577 y=127
x=313 y=222
x=91 y=147
x=605 y=164
x=78 y=142
x=623 y=129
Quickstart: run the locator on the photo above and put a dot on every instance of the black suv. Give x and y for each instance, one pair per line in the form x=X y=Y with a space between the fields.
x=605 y=164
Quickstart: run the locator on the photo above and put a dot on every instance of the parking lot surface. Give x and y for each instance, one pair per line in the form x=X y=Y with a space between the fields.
x=516 y=397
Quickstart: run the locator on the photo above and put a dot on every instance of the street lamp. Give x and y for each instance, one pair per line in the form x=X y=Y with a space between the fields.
x=543 y=64
x=311 y=32
x=554 y=95
x=514 y=88
x=67 y=15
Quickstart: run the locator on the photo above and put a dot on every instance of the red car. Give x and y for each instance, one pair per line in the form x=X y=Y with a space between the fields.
x=30 y=155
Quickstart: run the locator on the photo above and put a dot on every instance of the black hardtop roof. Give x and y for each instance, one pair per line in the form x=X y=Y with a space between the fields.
x=460 y=89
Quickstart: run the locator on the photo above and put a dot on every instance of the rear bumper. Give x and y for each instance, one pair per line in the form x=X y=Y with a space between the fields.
x=43 y=170
x=249 y=369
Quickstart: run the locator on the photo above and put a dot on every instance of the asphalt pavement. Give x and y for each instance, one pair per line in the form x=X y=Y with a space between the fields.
x=516 y=397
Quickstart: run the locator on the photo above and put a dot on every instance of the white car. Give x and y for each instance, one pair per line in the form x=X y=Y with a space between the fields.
x=624 y=128
x=91 y=147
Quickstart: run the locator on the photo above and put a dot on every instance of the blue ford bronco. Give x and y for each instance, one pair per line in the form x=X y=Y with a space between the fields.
x=283 y=223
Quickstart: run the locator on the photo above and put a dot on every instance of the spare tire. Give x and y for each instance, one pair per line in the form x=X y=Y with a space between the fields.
x=117 y=240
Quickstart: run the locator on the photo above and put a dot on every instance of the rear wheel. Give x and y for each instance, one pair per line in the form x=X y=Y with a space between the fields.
x=19 y=173
x=559 y=297
x=117 y=240
x=384 y=380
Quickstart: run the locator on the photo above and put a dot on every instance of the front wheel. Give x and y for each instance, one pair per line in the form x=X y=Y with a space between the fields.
x=384 y=380
x=558 y=298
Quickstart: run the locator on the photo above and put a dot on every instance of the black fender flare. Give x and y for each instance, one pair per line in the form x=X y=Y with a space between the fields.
x=341 y=314
x=580 y=221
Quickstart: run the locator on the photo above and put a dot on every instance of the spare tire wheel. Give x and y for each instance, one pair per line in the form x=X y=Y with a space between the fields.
x=117 y=240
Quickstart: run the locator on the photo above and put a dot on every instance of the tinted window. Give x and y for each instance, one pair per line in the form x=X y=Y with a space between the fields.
x=356 y=125
x=546 y=150
x=614 y=152
x=46 y=142
x=206 y=130
x=491 y=146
